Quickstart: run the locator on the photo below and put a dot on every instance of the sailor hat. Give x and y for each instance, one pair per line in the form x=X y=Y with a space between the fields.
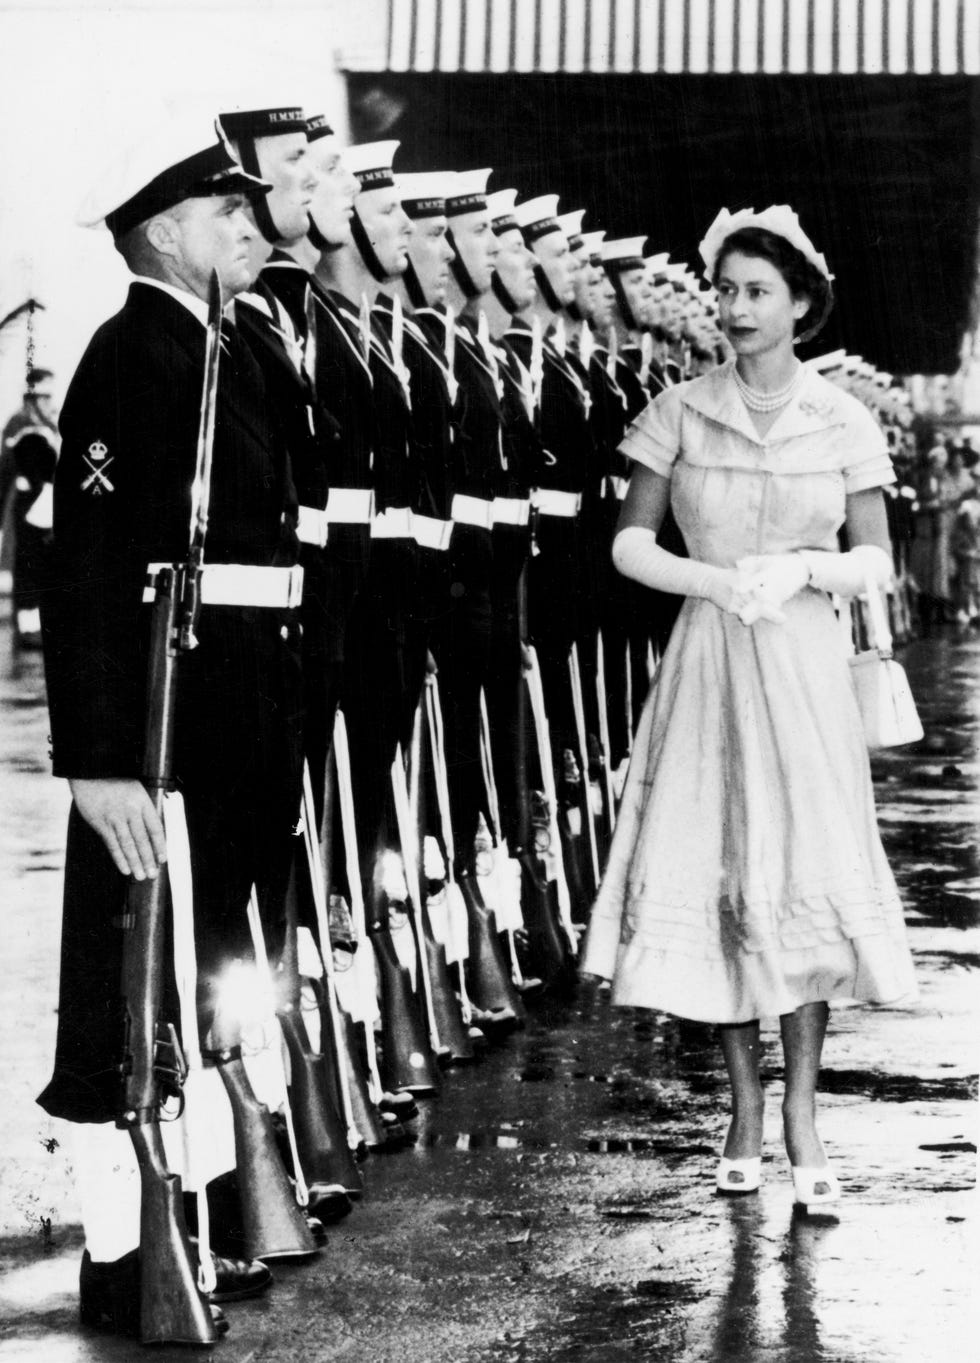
x=468 y=193
x=571 y=225
x=177 y=159
x=538 y=217
x=424 y=195
x=625 y=253
x=371 y=162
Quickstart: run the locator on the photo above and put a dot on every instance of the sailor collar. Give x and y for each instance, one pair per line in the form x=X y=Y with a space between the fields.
x=343 y=317
x=815 y=406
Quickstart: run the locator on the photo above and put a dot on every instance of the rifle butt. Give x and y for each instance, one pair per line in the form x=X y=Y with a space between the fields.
x=546 y=943
x=453 y=1032
x=406 y=1060
x=491 y=986
x=172 y=1308
x=325 y=1155
x=367 y=1117
x=275 y=1228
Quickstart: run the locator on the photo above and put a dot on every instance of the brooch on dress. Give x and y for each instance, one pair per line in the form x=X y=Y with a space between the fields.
x=823 y=410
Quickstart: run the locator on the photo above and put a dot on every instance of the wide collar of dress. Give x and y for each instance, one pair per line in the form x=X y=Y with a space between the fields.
x=816 y=406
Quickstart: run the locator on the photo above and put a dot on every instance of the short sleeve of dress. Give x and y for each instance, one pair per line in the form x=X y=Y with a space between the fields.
x=867 y=462
x=654 y=439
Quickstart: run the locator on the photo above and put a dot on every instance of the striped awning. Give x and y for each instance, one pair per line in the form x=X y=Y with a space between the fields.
x=751 y=37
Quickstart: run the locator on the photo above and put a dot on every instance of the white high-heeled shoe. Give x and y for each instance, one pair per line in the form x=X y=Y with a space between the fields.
x=815 y=1187
x=739 y=1175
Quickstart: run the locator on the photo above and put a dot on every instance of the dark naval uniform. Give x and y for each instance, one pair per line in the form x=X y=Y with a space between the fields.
x=311 y=436
x=512 y=538
x=122 y=501
x=462 y=644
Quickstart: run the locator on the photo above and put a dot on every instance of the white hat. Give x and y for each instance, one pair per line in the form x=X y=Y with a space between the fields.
x=778 y=218
x=655 y=264
x=178 y=158
x=424 y=195
x=371 y=162
x=626 y=253
x=537 y=217
x=592 y=243
x=468 y=193
x=500 y=205
x=571 y=225
x=832 y=360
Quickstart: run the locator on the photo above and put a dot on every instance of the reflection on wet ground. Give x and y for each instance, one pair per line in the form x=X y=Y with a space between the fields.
x=557 y=1205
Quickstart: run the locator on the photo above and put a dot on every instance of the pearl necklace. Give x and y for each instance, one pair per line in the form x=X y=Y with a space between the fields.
x=767 y=402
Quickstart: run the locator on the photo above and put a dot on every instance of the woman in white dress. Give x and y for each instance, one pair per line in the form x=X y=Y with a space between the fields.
x=747 y=878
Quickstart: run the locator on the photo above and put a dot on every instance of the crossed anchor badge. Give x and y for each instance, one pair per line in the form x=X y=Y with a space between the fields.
x=98 y=463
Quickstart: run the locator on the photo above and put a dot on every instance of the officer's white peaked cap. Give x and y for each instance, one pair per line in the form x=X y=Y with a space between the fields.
x=176 y=159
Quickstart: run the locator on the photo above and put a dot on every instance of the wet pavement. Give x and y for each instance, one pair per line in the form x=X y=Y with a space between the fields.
x=558 y=1204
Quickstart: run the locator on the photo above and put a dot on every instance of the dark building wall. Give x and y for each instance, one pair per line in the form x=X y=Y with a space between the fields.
x=884 y=172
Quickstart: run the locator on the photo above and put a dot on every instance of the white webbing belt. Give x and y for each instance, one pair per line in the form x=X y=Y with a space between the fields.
x=240 y=584
x=472 y=511
x=311 y=526
x=511 y=510
x=551 y=502
x=350 y=505
x=394 y=523
x=430 y=532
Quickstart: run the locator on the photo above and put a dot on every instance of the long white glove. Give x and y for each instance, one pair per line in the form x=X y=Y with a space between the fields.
x=847 y=574
x=637 y=554
x=772 y=579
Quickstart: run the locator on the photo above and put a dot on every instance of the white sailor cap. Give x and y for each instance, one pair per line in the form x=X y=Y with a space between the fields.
x=500 y=205
x=678 y=273
x=176 y=159
x=655 y=264
x=371 y=162
x=832 y=360
x=592 y=244
x=625 y=253
x=424 y=195
x=468 y=192
x=571 y=225
x=538 y=217
x=851 y=363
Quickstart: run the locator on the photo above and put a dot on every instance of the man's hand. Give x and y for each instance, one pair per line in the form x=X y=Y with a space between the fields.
x=123 y=815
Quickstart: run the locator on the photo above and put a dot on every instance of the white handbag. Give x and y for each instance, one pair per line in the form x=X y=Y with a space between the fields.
x=883 y=693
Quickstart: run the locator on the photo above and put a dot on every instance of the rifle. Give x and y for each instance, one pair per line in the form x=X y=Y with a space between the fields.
x=551 y=939
x=357 y=987
x=578 y=707
x=448 y=1033
x=172 y=1309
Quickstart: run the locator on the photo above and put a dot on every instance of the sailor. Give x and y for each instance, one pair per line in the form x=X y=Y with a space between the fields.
x=556 y=587
x=274 y=141
x=622 y=261
x=28 y=454
x=513 y=290
x=175 y=207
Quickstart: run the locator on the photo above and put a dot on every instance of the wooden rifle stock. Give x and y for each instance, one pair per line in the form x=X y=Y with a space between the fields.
x=172 y=1309
x=275 y=1228
x=547 y=944
x=321 y=1134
